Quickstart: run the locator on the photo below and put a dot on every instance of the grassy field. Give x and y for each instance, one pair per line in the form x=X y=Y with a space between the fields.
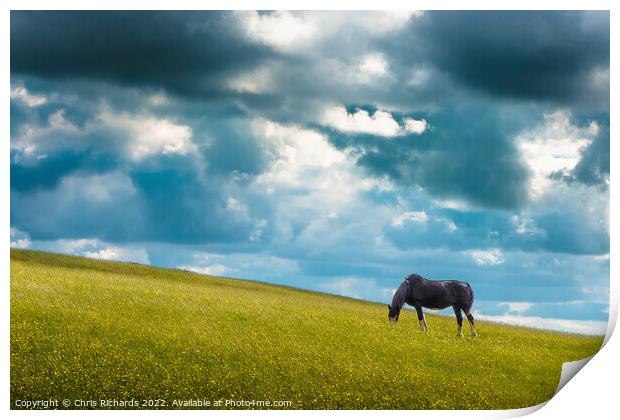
x=95 y=330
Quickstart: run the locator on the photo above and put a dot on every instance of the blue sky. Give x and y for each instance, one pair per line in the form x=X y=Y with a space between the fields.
x=334 y=151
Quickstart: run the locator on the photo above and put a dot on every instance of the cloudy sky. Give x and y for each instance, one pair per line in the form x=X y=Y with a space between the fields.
x=333 y=151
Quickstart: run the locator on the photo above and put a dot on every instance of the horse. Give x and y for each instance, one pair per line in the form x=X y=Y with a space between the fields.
x=419 y=292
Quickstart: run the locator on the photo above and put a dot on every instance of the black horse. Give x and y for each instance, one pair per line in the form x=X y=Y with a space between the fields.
x=420 y=292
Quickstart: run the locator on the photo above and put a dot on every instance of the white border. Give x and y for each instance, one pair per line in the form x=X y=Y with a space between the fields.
x=592 y=393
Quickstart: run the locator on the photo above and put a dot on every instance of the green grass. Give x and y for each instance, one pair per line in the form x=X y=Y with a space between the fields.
x=92 y=330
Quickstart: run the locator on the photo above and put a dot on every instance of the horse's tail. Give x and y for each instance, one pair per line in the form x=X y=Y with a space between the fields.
x=471 y=297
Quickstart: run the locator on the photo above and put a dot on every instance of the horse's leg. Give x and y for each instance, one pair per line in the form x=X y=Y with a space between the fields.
x=459 y=319
x=470 y=318
x=423 y=325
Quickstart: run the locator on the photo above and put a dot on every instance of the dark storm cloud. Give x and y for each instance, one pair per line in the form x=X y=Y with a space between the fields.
x=47 y=172
x=467 y=154
x=168 y=204
x=185 y=52
x=528 y=55
x=181 y=209
x=559 y=230
x=593 y=168
x=91 y=146
x=71 y=211
x=568 y=232
x=166 y=198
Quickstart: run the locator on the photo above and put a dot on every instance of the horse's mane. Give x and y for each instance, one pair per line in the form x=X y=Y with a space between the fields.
x=400 y=296
x=414 y=276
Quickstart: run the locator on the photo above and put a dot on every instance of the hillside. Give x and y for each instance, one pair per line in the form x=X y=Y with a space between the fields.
x=95 y=330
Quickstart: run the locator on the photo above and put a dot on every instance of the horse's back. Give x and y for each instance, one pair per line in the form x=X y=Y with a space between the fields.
x=459 y=292
x=435 y=294
x=440 y=294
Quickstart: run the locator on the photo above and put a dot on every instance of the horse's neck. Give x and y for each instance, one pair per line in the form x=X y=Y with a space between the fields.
x=421 y=280
x=400 y=297
x=409 y=289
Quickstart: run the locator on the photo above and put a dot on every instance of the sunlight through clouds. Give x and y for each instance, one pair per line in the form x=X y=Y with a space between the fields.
x=380 y=123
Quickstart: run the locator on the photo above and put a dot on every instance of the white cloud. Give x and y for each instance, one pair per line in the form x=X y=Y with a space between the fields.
x=19 y=239
x=487 y=257
x=291 y=31
x=256 y=81
x=526 y=226
x=98 y=189
x=280 y=29
x=303 y=159
x=208 y=263
x=517 y=307
x=419 y=77
x=566 y=325
x=313 y=185
x=383 y=22
x=410 y=216
x=210 y=269
x=296 y=150
x=58 y=121
x=257 y=233
x=95 y=248
x=249 y=264
x=236 y=206
x=33 y=138
x=453 y=204
x=372 y=66
x=20 y=93
x=137 y=135
x=597 y=293
x=158 y=99
x=381 y=123
x=600 y=76
x=375 y=23
x=422 y=218
x=415 y=126
x=555 y=147
x=242 y=265
x=450 y=225
x=357 y=287
x=72 y=246
x=367 y=69
x=116 y=253
x=149 y=135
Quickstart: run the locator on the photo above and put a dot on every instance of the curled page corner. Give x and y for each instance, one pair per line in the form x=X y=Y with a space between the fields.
x=569 y=370
x=611 y=323
x=521 y=412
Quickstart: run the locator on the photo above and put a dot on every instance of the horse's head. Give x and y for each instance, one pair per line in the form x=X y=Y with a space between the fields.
x=393 y=314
